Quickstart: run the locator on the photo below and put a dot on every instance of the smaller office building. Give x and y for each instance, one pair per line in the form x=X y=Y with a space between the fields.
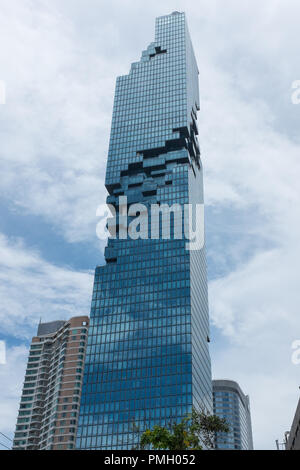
x=233 y=405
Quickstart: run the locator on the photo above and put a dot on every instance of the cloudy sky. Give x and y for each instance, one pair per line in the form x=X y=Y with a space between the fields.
x=59 y=60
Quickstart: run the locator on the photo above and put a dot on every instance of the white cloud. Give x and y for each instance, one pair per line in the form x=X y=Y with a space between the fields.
x=12 y=375
x=31 y=288
x=256 y=308
x=54 y=126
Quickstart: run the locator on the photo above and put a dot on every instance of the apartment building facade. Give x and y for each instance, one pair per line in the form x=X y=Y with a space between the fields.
x=232 y=404
x=49 y=407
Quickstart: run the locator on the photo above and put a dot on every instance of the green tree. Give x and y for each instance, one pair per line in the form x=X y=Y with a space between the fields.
x=195 y=432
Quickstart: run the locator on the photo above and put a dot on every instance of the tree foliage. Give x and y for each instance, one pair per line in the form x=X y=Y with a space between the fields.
x=195 y=432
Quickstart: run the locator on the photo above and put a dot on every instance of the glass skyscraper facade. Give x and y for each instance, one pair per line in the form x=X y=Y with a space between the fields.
x=147 y=357
x=231 y=403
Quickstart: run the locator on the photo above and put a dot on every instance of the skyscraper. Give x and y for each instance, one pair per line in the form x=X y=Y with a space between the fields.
x=147 y=357
x=231 y=403
x=48 y=413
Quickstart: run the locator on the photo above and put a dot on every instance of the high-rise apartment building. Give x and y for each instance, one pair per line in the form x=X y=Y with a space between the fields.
x=147 y=358
x=48 y=413
x=231 y=403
